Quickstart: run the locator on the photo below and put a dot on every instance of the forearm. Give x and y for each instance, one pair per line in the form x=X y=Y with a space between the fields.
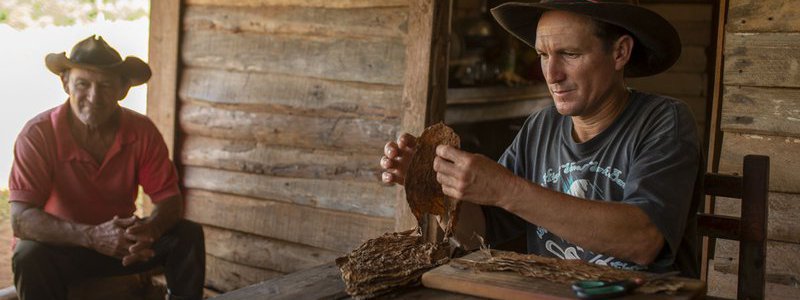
x=32 y=223
x=610 y=228
x=166 y=214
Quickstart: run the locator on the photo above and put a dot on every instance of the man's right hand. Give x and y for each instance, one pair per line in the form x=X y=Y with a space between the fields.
x=109 y=238
x=396 y=159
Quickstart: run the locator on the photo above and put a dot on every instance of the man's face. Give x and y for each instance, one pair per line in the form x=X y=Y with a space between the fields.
x=93 y=95
x=579 y=71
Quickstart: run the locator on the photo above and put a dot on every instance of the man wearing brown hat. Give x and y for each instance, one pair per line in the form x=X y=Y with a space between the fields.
x=607 y=174
x=75 y=177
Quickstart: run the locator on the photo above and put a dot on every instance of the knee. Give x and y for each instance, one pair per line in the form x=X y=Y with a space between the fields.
x=28 y=254
x=189 y=232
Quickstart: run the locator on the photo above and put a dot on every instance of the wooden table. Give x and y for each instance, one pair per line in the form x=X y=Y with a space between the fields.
x=324 y=282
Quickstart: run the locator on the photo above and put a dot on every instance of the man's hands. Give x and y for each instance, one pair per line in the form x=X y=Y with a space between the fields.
x=129 y=239
x=472 y=177
x=463 y=175
x=396 y=159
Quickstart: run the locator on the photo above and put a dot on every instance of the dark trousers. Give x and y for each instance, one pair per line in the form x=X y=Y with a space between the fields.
x=44 y=271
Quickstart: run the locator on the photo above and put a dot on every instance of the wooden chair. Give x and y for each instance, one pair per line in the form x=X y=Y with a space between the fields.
x=750 y=229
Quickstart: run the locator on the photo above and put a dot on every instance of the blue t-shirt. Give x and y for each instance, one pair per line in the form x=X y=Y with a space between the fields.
x=648 y=157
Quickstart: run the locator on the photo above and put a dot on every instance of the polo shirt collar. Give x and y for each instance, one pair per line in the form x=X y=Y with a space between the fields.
x=68 y=148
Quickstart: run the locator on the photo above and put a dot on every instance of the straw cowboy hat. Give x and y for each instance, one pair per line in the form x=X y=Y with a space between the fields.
x=657 y=44
x=94 y=53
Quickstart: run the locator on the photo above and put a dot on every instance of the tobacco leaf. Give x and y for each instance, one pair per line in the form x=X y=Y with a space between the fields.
x=423 y=193
x=560 y=270
x=390 y=261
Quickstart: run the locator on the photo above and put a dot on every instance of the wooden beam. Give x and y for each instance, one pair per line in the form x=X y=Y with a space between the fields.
x=761 y=110
x=235 y=122
x=163 y=58
x=162 y=89
x=298 y=20
x=291 y=95
x=714 y=111
x=366 y=198
x=265 y=253
x=306 y=3
x=226 y=276
x=257 y=158
x=369 y=60
x=425 y=89
x=320 y=228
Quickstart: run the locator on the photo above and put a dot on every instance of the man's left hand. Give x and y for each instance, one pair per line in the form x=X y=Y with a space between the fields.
x=143 y=234
x=472 y=177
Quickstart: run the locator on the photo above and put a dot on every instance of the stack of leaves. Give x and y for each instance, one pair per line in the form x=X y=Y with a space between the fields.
x=392 y=260
x=398 y=259
x=559 y=270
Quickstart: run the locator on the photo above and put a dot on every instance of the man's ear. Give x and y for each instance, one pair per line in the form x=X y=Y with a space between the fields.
x=65 y=81
x=124 y=88
x=622 y=50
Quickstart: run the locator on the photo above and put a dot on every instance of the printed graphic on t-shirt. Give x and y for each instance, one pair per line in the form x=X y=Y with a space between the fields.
x=578 y=179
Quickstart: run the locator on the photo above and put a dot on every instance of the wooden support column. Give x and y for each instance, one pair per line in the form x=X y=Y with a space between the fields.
x=424 y=92
x=165 y=18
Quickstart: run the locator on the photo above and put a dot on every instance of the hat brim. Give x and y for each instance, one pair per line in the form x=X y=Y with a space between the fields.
x=132 y=68
x=657 y=48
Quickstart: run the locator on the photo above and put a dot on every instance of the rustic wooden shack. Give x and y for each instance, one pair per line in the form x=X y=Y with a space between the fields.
x=276 y=112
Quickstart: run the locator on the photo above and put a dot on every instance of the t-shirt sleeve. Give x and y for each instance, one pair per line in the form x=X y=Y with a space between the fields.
x=31 y=178
x=157 y=174
x=663 y=175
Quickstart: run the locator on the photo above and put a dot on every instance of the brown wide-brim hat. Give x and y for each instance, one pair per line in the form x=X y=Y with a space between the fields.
x=94 y=53
x=657 y=44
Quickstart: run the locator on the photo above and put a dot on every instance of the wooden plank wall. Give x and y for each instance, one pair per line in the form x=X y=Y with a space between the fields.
x=284 y=110
x=688 y=79
x=761 y=115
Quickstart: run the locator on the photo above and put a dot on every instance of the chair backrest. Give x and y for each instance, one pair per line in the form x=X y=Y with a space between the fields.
x=750 y=229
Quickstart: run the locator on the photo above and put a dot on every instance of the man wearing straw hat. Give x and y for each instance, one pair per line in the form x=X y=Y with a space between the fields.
x=607 y=174
x=75 y=178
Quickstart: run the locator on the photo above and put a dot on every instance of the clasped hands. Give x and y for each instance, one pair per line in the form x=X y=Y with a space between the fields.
x=129 y=239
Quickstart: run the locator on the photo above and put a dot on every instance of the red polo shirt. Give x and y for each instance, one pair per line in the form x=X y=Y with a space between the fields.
x=52 y=171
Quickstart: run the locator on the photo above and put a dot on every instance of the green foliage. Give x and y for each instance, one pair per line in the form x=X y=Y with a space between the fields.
x=21 y=14
x=5 y=208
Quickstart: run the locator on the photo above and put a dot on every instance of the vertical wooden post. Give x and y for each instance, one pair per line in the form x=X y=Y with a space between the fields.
x=714 y=132
x=162 y=99
x=424 y=92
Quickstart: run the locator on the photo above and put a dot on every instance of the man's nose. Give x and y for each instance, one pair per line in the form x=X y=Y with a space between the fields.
x=553 y=70
x=92 y=94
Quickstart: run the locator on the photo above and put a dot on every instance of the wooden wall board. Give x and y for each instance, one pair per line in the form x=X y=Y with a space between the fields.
x=354 y=135
x=361 y=60
x=692 y=59
x=291 y=94
x=425 y=78
x=681 y=12
x=773 y=111
x=781 y=259
x=724 y=285
x=258 y=158
x=319 y=228
x=781 y=150
x=372 y=199
x=302 y=3
x=226 y=276
x=680 y=84
x=762 y=59
x=763 y=16
x=264 y=253
x=459 y=114
x=294 y=20
x=784 y=213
